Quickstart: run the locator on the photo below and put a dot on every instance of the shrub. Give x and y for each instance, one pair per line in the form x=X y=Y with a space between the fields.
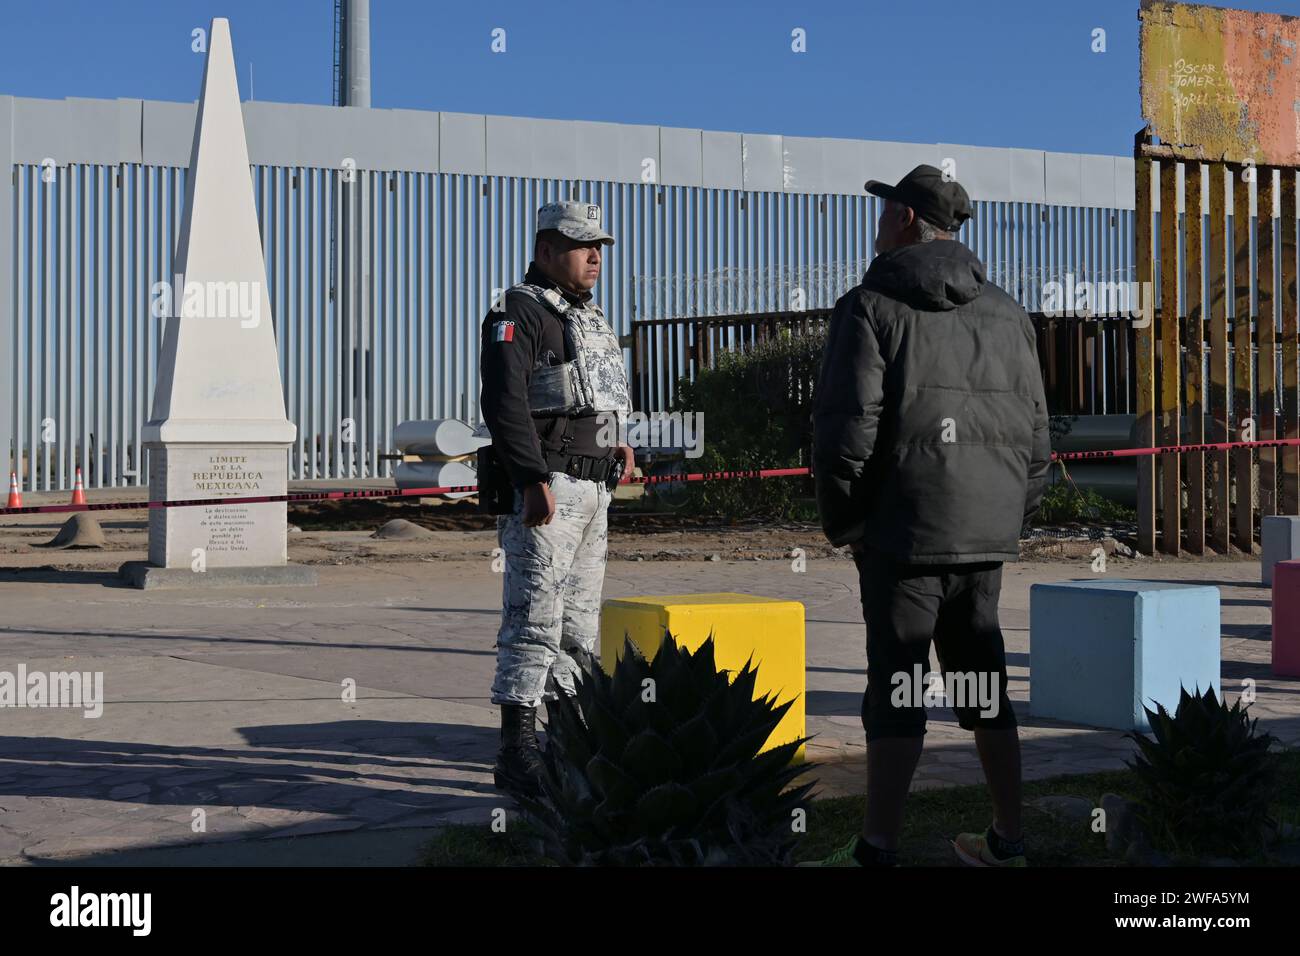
x=757 y=406
x=1205 y=780
x=676 y=779
x=1064 y=502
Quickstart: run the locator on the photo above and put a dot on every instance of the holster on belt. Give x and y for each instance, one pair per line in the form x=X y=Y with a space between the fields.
x=605 y=470
x=496 y=495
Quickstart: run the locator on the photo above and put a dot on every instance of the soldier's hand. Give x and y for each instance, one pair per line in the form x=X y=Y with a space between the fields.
x=539 y=505
x=629 y=463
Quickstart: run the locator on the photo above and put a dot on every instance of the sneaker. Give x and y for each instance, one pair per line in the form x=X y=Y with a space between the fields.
x=973 y=850
x=844 y=856
x=841 y=857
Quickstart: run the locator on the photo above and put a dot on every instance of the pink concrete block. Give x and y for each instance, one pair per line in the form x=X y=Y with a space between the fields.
x=1286 y=619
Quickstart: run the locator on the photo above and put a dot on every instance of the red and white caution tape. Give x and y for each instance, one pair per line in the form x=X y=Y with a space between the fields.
x=380 y=493
x=373 y=493
x=1171 y=449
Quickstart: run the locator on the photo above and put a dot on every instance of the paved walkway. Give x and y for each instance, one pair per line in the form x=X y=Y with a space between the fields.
x=229 y=706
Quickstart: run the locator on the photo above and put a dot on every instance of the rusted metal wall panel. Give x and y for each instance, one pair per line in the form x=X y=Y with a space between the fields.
x=1243 y=514
x=1217 y=461
x=1223 y=83
x=1290 y=393
x=1222 y=87
x=1266 y=332
x=1195 y=359
x=1170 y=361
x=1145 y=365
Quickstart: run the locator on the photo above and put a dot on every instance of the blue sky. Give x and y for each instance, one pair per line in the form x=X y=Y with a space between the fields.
x=991 y=73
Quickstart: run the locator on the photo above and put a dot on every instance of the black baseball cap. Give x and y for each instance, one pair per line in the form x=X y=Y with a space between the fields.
x=940 y=202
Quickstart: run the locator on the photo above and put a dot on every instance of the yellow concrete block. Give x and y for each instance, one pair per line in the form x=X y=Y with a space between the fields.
x=770 y=630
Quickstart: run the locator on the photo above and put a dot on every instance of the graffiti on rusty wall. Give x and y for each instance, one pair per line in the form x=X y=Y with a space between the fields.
x=1222 y=84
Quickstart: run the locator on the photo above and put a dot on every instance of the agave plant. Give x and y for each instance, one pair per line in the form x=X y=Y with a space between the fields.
x=659 y=764
x=1205 y=777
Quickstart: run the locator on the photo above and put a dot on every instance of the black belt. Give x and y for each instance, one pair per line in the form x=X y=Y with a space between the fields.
x=581 y=466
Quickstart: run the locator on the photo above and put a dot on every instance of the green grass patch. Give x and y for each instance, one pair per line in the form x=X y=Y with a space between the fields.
x=933 y=818
x=468 y=845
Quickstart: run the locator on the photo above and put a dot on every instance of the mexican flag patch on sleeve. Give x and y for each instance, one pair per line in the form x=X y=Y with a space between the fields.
x=503 y=331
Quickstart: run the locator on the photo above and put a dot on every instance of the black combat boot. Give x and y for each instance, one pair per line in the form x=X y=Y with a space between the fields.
x=519 y=762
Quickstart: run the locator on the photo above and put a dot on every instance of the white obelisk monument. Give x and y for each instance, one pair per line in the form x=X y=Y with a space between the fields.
x=218 y=426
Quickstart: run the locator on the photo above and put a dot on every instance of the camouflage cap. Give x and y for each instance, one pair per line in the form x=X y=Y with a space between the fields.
x=580 y=221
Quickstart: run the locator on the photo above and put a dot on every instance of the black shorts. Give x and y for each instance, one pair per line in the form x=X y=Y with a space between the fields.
x=905 y=606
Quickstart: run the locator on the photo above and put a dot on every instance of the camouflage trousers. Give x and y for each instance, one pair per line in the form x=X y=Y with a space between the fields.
x=550 y=617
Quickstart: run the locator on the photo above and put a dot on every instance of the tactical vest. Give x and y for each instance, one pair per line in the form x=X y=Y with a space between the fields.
x=594 y=380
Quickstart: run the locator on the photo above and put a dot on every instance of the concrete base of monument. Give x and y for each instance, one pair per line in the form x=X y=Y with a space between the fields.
x=149 y=577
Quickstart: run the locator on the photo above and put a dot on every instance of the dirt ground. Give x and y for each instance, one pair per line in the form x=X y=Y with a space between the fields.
x=342 y=532
x=447 y=537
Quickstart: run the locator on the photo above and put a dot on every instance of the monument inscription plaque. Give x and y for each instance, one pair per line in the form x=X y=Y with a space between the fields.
x=239 y=534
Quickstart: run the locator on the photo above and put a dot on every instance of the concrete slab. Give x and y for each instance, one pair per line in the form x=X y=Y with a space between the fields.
x=362 y=706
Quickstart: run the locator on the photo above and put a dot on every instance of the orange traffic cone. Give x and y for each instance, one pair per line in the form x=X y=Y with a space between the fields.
x=15 y=496
x=78 y=492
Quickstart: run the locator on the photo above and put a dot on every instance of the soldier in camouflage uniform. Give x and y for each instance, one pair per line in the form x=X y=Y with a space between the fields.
x=553 y=384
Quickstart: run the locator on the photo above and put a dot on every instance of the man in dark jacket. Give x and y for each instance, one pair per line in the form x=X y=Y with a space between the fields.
x=930 y=451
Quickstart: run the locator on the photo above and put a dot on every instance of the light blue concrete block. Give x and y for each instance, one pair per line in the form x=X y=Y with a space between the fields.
x=1279 y=537
x=1100 y=650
